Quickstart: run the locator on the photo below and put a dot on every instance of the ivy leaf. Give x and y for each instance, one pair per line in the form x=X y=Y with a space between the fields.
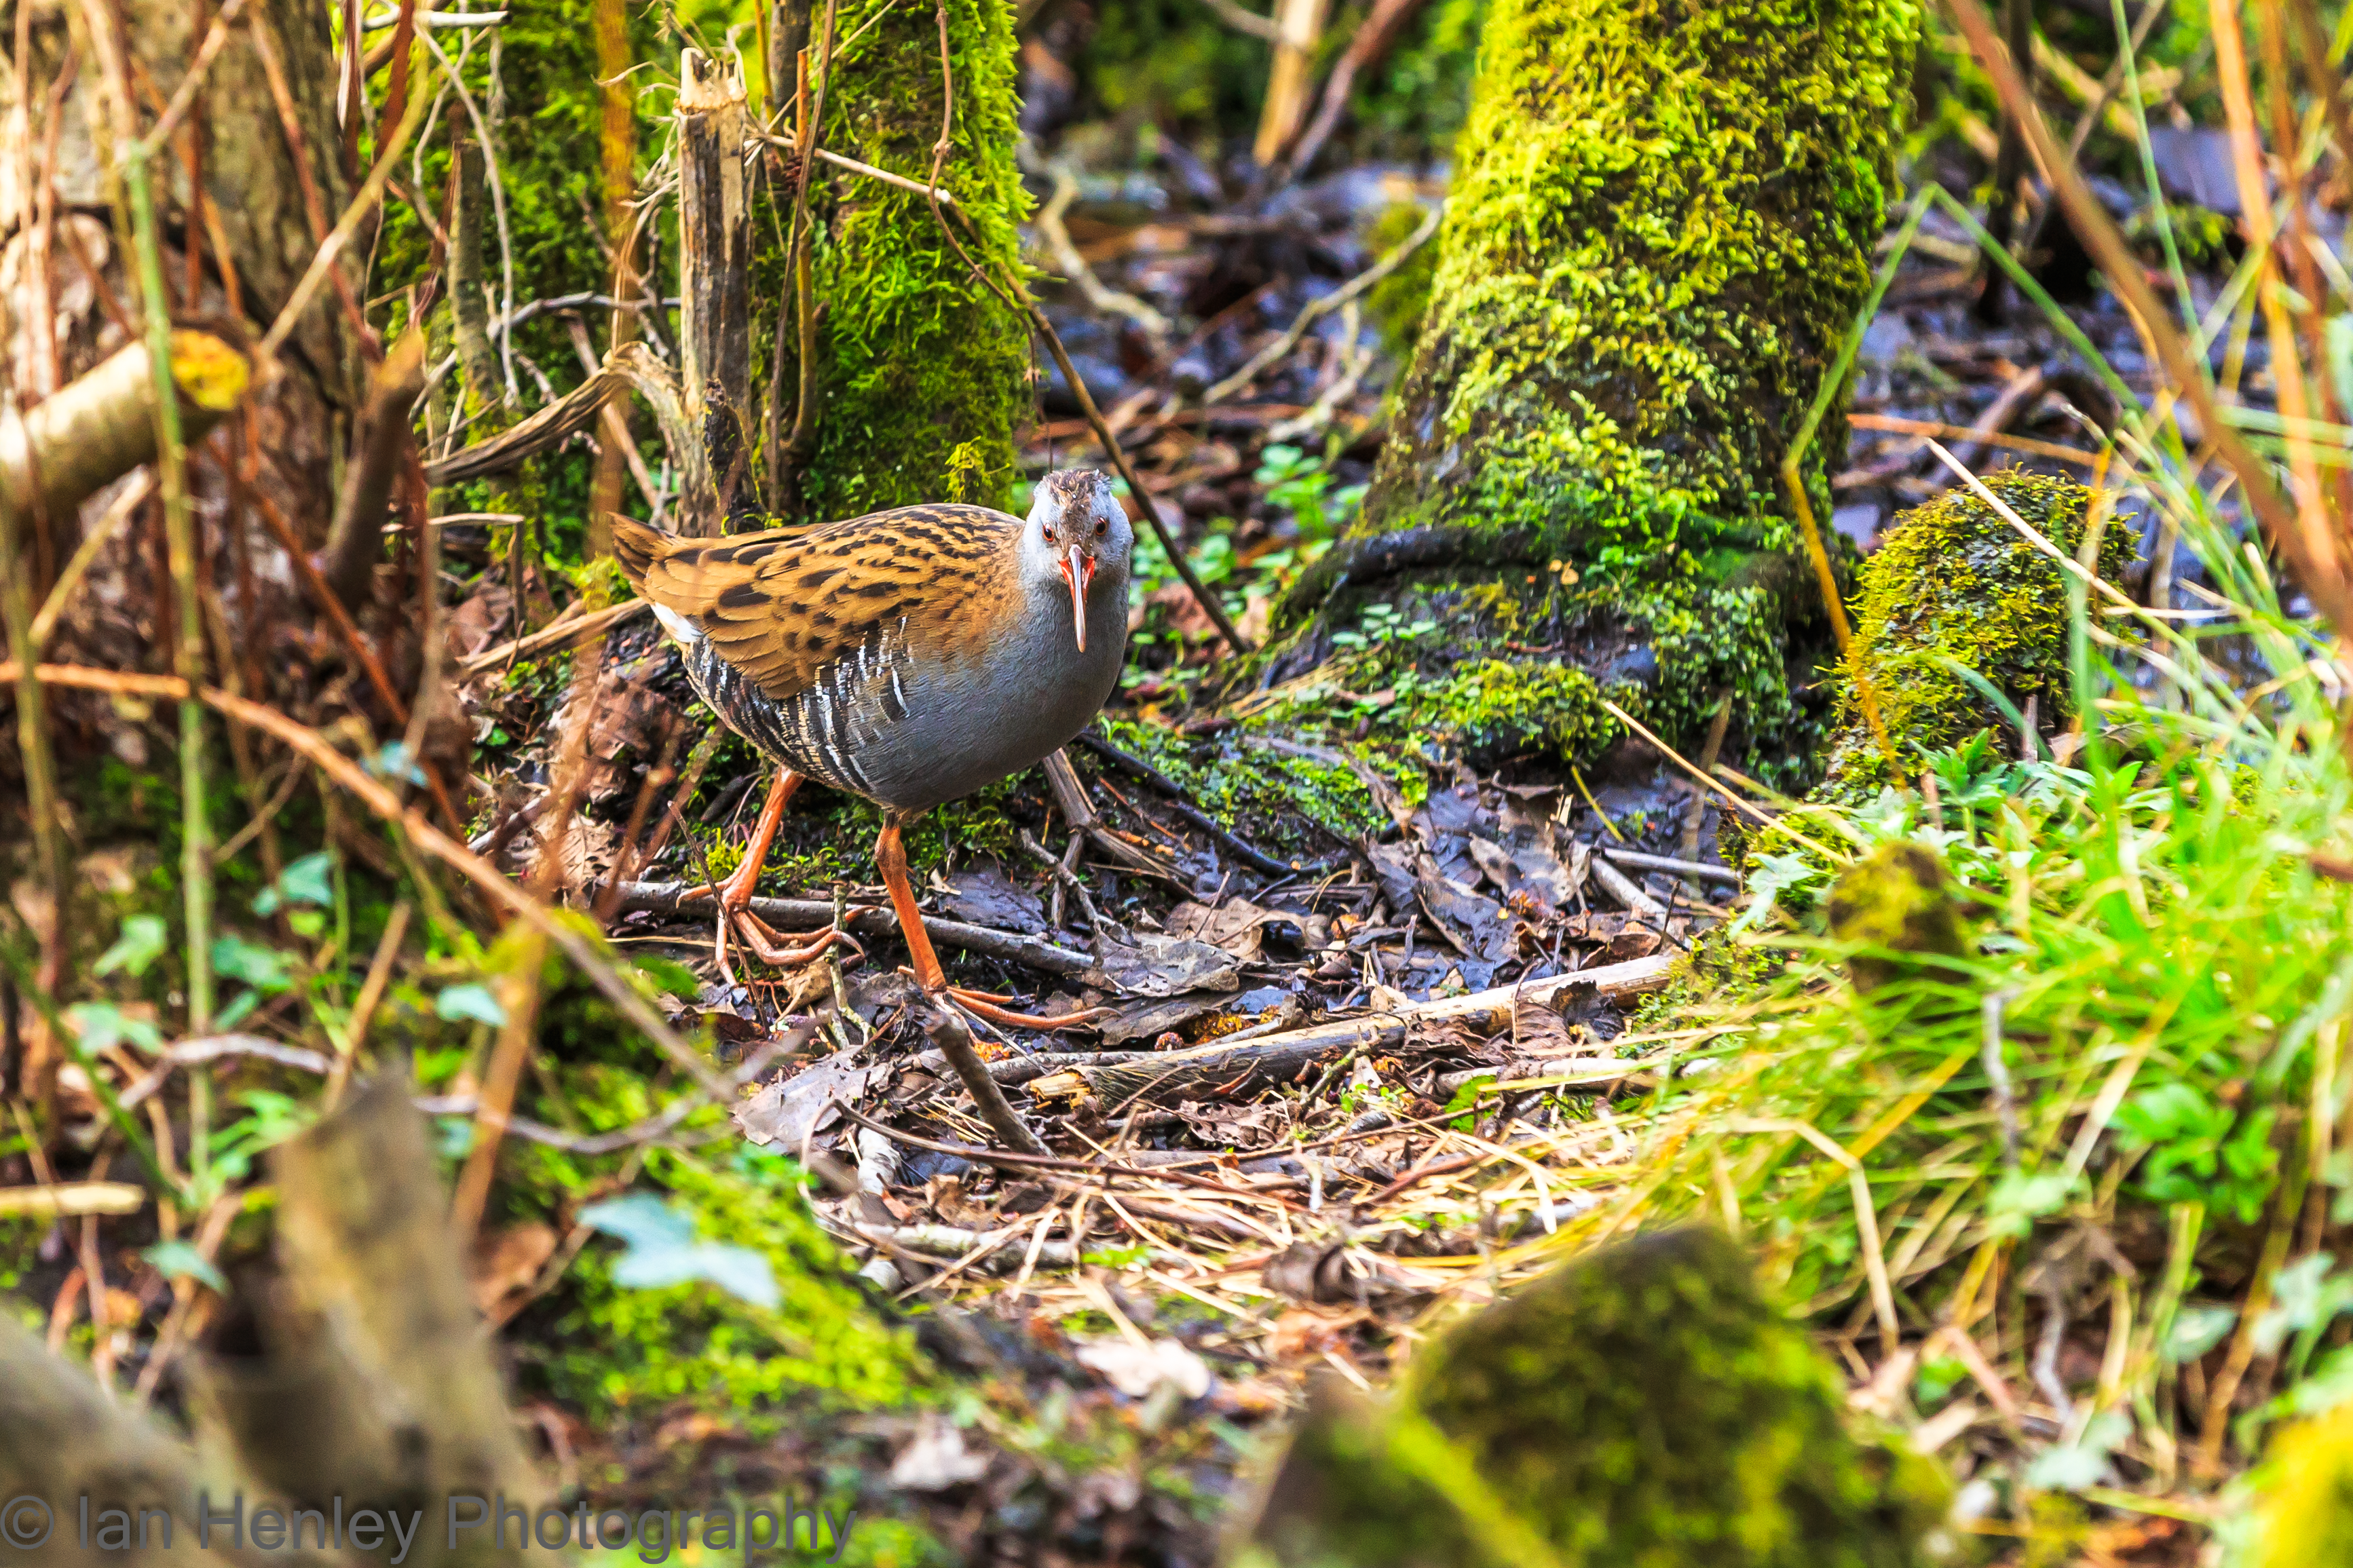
x=99 y=1026
x=306 y=881
x=472 y=1001
x=263 y=968
x=662 y=1251
x=141 y=942
x=179 y=1260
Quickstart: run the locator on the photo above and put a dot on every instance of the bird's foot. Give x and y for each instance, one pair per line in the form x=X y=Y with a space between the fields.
x=775 y=948
x=733 y=895
x=985 y=1005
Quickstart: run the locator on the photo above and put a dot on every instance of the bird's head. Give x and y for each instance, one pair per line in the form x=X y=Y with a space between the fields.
x=1077 y=533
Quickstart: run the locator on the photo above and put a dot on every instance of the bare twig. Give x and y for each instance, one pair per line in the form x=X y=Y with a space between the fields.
x=625 y=996
x=953 y=1041
x=1390 y=260
x=1074 y=266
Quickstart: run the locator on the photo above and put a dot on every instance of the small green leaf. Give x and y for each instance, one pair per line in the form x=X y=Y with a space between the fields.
x=2196 y=1330
x=179 y=1260
x=662 y=1251
x=99 y=1026
x=307 y=881
x=472 y=1001
x=263 y=968
x=2018 y=1200
x=143 y=941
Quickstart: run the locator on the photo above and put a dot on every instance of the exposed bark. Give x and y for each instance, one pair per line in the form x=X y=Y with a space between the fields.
x=356 y=542
x=713 y=264
x=1660 y=232
x=62 y=1440
x=377 y=1390
x=377 y=1383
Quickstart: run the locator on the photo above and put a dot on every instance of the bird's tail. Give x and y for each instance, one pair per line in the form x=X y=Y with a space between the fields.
x=636 y=548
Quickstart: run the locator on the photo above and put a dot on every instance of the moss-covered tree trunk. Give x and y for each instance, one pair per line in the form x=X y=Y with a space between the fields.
x=922 y=371
x=1660 y=231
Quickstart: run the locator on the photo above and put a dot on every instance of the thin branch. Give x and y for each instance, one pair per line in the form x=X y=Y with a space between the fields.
x=380 y=799
x=1354 y=287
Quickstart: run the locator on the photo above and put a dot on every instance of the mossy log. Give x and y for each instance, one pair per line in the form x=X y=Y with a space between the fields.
x=1955 y=590
x=1658 y=236
x=1644 y=1404
x=924 y=369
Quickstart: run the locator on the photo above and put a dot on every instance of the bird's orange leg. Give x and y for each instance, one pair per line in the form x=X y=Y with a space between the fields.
x=890 y=856
x=736 y=892
x=734 y=895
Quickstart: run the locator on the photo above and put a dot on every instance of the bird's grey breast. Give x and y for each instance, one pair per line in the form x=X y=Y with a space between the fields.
x=910 y=730
x=989 y=713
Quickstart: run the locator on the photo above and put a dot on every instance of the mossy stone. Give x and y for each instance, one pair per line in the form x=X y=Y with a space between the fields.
x=1897 y=899
x=1954 y=584
x=1645 y=1405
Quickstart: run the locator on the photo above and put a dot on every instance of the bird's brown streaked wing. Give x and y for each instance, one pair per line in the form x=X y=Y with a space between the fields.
x=782 y=606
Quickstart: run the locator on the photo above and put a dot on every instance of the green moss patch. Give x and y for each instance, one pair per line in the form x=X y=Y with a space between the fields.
x=1955 y=587
x=1534 y=1433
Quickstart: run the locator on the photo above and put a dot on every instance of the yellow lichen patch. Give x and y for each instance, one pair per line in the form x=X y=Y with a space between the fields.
x=208 y=373
x=2307 y=1509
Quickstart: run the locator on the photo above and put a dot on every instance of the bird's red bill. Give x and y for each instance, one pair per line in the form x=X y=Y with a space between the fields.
x=1079 y=571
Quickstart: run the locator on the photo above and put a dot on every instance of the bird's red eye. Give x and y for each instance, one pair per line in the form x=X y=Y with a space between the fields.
x=1102 y=529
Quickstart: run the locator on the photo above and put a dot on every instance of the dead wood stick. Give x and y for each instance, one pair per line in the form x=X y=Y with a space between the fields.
x=1223 y=1070
x=663 y=898
x=101 y=426
x=1005 y=1159
x=950 y=1241
x=1642 y=862
x=1079 y=812
x=1624 y=889
x=354 y=542
x=562 y=634
x=953 y=1041
x=1369 y=43
x=566 y=416
x=76 y=1199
